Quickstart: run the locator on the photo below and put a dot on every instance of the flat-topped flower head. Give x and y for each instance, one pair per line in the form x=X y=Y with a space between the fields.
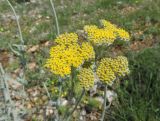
x=58 y=66
x=105 y=35
x=109 y=68
x=121 y=33
x=120 y=66
x=105 y=72
x=86 y=78
x=99 y=36
x=67 y=54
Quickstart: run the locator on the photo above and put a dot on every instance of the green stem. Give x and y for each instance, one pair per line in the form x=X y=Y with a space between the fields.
x=72 y=82
x=59 y=95
x=45 y=87
x=104 y=104
x=79 y=100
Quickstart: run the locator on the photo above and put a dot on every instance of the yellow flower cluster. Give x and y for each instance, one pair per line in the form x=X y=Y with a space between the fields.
x=109 y=68
x=105 y=72
x=105 y=35
x=67 y=38
x=120 y=33
x=120 y=66
x=99 y=36
x=108 y=25
x=87 y=51
x=67 y=54
x=86 y=78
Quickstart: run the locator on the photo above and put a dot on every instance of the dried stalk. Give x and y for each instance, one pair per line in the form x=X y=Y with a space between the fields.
x=48 y=94
x=60 y=79
x=55 y=15
x=19 y=27
x=20 y=48
x=10 y=107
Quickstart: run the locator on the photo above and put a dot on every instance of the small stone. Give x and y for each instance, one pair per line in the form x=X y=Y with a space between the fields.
x=81 y=118
x=39 y=16
x=41 y=111
x=83 y=113
x=47 y=17
x=100 y=99
x=111 y=95
x=33 y=1
x=51 y=111
x=35 y=99
x=29 y=106
x=31 y=65
x=63 y=102
x=33 y=49
x=44 y=98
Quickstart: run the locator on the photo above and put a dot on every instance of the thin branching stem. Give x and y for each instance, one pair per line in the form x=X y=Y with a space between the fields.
x=104 y=104
x=72 y=77
x=19 y=27
x=22 y=57
x=59 y=96
x=55 y=15
x=7 y=96
x=58 y=32
x=75 y=107
x=48 y=94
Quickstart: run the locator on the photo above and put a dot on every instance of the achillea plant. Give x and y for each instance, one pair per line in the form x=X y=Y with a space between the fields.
x=70 y=54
